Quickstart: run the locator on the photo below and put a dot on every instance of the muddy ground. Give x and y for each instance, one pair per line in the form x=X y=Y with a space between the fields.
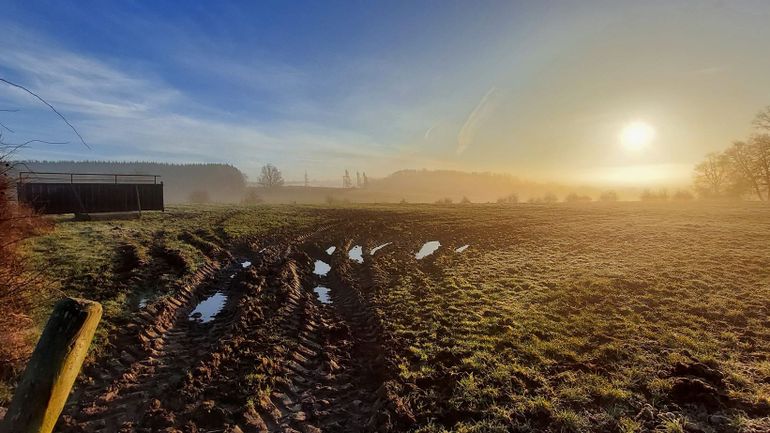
x=556 y=319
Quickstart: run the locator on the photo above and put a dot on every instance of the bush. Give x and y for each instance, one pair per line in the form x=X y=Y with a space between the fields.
x=465 y=200
x=575 y=198
x=20 y=291
x=251 y=197
x=608 y=196
x=682 y=195
x=509 y=199
x=648 y=195
x=550 y=198
x=199 y=197
x=445 y=200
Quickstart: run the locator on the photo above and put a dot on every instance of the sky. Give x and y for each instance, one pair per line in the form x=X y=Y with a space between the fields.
x=541 y=90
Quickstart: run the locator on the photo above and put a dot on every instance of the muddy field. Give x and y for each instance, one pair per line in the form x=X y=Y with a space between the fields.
x=617 y=318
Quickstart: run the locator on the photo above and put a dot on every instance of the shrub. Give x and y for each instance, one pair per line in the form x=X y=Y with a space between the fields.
x=575 y=198
x=19 y=291
x=465 y=200
x=682 y=195
x=649 y=195
x=251 y=197
x=199 y=197
x=445 y=200
x=509 y=199
x=550 y=197
x=608 y=196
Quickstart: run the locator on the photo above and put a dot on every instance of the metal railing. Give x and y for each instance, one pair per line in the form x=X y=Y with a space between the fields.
x=50 y=177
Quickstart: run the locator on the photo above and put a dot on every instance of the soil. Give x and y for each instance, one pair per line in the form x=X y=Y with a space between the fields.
x=274 y=359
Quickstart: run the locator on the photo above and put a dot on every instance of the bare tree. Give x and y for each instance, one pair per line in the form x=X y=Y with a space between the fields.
x=762 y=119
x=760 y=144
x=366 y=180
x=270 y=177
x=307 y=181
x=744 y=160
x=711 y=175
x=346 y=181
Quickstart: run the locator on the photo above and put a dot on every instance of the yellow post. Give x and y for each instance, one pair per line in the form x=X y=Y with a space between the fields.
x=53 y=368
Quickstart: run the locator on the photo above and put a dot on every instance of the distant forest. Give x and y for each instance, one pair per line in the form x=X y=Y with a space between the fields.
x=431 y=185
x=182 y=182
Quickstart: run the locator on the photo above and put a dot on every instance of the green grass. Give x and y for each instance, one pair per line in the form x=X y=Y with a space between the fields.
x=572 y=318
x=561 y=318
x=84 y=259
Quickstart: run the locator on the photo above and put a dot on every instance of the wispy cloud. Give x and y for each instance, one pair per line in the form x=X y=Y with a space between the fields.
x=483 y=109
x=131 y=113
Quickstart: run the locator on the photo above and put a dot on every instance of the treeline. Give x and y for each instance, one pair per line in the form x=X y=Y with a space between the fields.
x=182 y=182
x=430 y=185
x=740 y=171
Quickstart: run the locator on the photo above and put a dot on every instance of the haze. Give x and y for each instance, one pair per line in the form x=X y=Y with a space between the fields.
x=605 y=93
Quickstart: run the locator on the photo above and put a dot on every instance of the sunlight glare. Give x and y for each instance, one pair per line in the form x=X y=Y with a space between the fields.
x=637 y=135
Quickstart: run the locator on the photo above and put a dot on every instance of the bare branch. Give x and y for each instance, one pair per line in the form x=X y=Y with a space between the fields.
x=49 y=106
x=9 y=129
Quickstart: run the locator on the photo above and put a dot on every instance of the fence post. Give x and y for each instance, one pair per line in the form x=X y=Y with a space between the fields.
x=55 y=363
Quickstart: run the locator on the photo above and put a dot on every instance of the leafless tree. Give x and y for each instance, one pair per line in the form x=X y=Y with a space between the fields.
x=761 y=147
x=743 y=158
x=711 y=175
x=346 y=181
x=762 y=119
x=270 y=177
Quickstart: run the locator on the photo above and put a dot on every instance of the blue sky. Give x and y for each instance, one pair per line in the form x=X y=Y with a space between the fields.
x=538 y=89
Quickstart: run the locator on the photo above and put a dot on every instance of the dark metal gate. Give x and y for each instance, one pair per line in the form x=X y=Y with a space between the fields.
x=56 y=193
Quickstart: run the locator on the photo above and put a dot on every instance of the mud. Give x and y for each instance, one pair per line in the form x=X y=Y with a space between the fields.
x=275 y=358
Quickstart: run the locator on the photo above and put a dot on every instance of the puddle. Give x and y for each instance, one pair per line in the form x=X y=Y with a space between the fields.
x=356 y=254
x=427 y=249
x=321 y=268
x=208 y=308
x=246 y=264
x=462 y=248
x=142 y=302
x=331 y=250
x=323 y=294
x=379 y=247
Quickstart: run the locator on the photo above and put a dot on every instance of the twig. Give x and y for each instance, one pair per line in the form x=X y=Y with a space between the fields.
x=9 y=129
x=49 y=106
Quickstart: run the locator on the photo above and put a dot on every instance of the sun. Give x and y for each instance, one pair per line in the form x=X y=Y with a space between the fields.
x=637 y=135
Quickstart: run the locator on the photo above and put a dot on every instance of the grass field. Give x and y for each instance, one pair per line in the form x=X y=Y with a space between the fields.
x=564 y=318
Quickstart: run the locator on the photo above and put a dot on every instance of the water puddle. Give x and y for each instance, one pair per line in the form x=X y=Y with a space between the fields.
x=142 y=302
x=208 y=308
x=246 y=264
x=462 y=248
x=321 y=268
x=356 y=254
x=379 y=247
x=331 y=250
x=323 y=294
x=427 y=249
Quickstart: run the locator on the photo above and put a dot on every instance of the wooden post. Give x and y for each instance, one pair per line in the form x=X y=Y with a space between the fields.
x=55 y=363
